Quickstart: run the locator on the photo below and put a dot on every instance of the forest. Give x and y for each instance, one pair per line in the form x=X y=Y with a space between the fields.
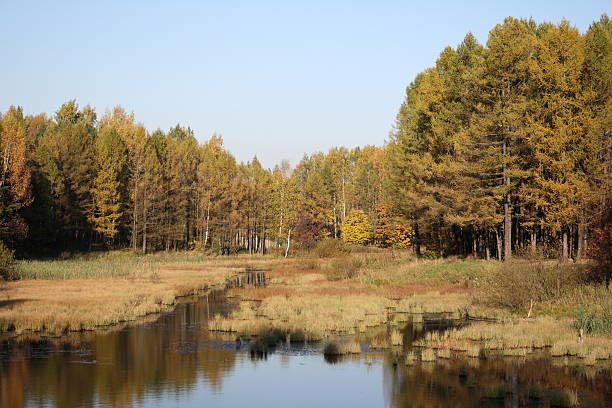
x=498 y=150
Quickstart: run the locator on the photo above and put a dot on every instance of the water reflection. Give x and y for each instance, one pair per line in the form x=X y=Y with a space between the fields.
x=495 y=383
x=174 y=361
x=117 y=368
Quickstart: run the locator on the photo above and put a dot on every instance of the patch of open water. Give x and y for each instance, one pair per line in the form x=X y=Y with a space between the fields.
x=176 y=362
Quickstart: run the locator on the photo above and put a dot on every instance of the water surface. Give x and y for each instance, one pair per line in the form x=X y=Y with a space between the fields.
x=174 y=361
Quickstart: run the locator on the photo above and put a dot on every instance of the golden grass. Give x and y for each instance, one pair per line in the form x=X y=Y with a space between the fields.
x=342 y=348
x=428 y=355
x=390 y=288
x=411 y=358
x=299 y=298
x=396 y=338
x=56 y=306
x=518 y=337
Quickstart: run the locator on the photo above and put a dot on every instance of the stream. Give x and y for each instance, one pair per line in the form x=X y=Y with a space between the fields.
x=174 y=361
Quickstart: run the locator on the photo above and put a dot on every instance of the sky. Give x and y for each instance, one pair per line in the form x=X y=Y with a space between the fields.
x=276 y=79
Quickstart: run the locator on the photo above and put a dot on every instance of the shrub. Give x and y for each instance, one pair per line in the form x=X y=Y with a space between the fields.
x=307 y=232
x=429 y=254
x=7 y=263
x=330 y=248
x=342 y=268
x=516 y=285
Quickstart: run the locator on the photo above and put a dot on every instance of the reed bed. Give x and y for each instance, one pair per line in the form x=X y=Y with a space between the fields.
x=341 y=348
x=396 y=338
x=521 y=337
x=57 y=306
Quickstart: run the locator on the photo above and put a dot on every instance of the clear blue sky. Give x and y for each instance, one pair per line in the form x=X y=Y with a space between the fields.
x=276 y=79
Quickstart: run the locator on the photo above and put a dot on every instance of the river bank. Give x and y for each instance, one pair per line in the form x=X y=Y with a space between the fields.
x=59 y=296
x=176 y=360
x=314 y=297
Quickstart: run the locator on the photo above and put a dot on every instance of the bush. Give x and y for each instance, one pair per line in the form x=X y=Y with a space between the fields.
x=7 y=263
x=515 y=285
x=592 y=321
x=330 y=248
x=429 y=254
x=342 y=268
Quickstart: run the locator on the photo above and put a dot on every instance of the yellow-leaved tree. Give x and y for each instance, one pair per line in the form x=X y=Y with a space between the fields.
x=356 y=228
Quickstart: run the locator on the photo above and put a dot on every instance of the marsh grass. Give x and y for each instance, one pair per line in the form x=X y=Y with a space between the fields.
x=404 y=267
x=428 y=355
x=411 y=358
x=396 y=338
x=520 y=337
x=594 y=319
x=72 y=295
x=341 y=348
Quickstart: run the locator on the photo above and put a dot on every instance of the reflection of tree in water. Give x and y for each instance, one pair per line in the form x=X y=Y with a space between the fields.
x=119 y=367
x=489 y=383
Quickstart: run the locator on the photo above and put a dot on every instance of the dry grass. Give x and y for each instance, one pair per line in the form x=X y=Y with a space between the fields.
x=389 y=288
x=518 y=337
x=396 y=338
x=341 y=348
x=56 y=305
x=299 y=298
x=411 y=358
x=428 y=355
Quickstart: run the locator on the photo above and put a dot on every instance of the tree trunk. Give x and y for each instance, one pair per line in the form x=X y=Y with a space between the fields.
x=144 y=220
x=571 y=243
x=564 y=253
x=207 y=222
x=288 y=242
x=499 y=245
x=417 y=240
x=581 y=237
x=134 y=212
x=507 y=213
x=534 y=243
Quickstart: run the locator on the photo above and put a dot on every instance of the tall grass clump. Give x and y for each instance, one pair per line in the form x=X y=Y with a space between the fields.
x=342 y=348
x=593 y=321
x=428 y=355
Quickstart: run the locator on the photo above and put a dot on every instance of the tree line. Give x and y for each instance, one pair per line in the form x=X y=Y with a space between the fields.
x=76 y=182
x=505 y=148
x=498 y=149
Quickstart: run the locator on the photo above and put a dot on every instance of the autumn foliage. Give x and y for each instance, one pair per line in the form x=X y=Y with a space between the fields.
x=356 y=228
